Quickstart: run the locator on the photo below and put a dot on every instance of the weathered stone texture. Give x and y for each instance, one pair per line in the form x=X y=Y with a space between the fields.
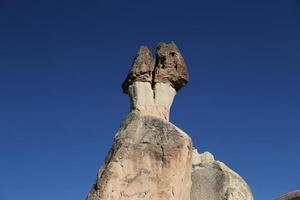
x=151 y=159
x=141 y=69
x=152 y=84
x=170 y=66
x=213 y=180
x=156 y=102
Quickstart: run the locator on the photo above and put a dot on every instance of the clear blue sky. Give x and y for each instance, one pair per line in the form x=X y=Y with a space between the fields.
x=61 y=68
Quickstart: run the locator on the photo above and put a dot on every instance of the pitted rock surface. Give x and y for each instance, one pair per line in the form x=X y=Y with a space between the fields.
x=151 y=159
x=213 y=180
x=170 y=66
x=141 y=69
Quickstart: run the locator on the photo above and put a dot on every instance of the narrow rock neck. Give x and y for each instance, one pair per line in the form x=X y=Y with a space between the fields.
x=155 y=101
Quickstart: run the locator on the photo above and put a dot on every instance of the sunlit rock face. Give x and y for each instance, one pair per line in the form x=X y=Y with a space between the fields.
x=152 y=159
x=156 y=102
x=213 y=180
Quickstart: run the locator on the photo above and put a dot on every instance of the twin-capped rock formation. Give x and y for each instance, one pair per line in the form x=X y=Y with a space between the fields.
x=152 y=82
x=152 y=159
x=168 y=67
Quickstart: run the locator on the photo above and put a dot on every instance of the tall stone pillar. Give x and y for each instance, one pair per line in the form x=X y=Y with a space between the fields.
x=151 y=158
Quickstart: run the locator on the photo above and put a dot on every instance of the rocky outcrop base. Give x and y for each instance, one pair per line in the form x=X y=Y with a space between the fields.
x=213 y=180
x=151 y=160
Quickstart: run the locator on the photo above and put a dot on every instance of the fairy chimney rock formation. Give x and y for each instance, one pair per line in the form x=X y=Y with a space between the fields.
x=152 y=83
x=151 y=158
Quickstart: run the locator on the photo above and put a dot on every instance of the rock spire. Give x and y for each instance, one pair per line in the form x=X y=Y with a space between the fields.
x=151 y=158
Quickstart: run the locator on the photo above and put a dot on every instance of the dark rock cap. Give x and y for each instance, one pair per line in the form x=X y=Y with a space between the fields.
x=170 y=66
x=141 y=69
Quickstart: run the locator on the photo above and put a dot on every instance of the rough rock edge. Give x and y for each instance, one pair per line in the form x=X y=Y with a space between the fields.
x=294 y=195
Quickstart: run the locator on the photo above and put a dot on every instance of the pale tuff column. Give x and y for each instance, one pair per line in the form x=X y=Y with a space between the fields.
x=141 y=97
x=156 y=102
x=163 y=97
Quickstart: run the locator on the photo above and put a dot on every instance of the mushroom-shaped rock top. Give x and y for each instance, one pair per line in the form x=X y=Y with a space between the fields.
x=170 y=66
x=141 y=69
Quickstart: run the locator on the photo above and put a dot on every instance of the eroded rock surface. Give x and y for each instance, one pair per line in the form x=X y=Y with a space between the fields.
x=141 y=69
x=213 y=180
x=170 y=66
x=151 y=159
x=142 y=99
